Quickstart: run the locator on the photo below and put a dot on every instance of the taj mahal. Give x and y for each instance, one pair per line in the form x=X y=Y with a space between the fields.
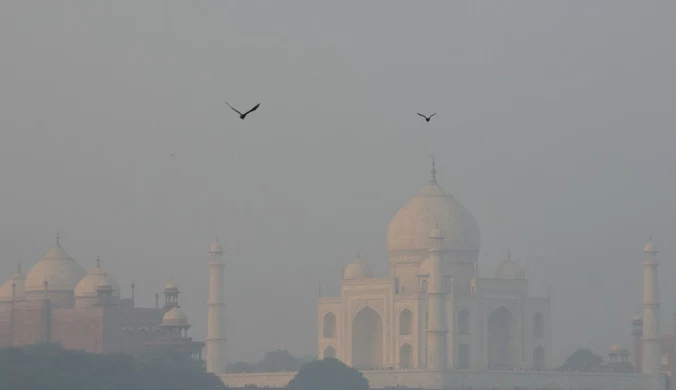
x=433 y=302
x=431 y=322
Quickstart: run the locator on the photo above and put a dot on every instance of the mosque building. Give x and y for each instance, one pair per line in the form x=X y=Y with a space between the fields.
x=58 y=301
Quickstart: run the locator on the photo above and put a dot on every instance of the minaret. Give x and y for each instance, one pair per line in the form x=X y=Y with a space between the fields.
x=215 y=341
x=437 y=358
x=652 y=356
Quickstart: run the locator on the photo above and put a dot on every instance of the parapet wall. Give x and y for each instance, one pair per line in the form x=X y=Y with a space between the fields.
x=457 y=379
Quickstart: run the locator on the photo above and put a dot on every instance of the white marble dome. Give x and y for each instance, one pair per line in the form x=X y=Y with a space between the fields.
x=509 y=269
x=216 y=247
x=357 y=269
x=409 y=230
x=175 y=317
x=650 y=247
x=60 y=270
x=18 y=280
x=95 y=278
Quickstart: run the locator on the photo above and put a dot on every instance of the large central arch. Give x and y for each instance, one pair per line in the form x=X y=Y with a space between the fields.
x=539 y=358
x=499 y=339
x=406 y=357
x=367 y=331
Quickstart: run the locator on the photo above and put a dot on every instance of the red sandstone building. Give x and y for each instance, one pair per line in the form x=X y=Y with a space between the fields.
x=58 y=301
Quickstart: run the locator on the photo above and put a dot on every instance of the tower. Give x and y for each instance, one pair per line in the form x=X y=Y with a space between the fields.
x=216 y=339
x=436 y=292
x=651 y=312
x=171 y=295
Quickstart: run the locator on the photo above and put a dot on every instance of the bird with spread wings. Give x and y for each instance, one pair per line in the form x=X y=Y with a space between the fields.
x=242 y=116
x=427 y=118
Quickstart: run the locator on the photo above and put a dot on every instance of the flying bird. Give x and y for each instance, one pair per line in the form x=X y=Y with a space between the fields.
x=427 y=118
x=242 y=116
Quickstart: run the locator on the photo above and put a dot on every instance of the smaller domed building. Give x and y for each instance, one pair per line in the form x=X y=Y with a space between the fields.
x=174 y=332
x=58 y=301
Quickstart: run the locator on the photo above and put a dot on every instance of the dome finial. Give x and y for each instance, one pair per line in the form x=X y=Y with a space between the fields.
x=98 y=261
x=18 y=267
x=434 y=169
x=58 y=239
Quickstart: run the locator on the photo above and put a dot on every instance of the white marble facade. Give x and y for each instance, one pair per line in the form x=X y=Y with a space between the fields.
x=381 y=323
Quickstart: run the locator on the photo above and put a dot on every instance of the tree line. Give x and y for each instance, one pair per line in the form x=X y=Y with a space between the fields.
x=278 y=360
x=49 y=366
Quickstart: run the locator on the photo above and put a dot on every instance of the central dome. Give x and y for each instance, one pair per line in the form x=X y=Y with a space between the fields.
x=60 y=270
x=408 y=233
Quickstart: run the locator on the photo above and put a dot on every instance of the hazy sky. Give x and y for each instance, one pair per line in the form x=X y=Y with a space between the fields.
x=556 y=129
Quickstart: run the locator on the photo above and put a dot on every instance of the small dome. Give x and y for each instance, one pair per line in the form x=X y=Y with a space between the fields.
x=216 y=247
x=650 y=247
x=616 y=348
x=18 y=280
x=357 y=269
x=170 y=286
x=509 y=269
x=60 y=270
x=95 y=278
x=636 y=319
x=175 y=317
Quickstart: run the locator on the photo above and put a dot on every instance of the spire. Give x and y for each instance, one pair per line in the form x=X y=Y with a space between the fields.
x=358 y=257
x=18 y=267
x=58 y=239
x=434 y=170
x=98 y=262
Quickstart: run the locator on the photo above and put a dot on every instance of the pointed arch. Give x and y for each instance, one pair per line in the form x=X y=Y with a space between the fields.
x=157 y=332
x=329 y=352
x=539 y=358
x=405 y=322
x=329 y=325
x=500 y=338
x=367 y=333
x=463 y=322
x=141 y=338
x=406 y=356
x=463 y=357
x=538 y=325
